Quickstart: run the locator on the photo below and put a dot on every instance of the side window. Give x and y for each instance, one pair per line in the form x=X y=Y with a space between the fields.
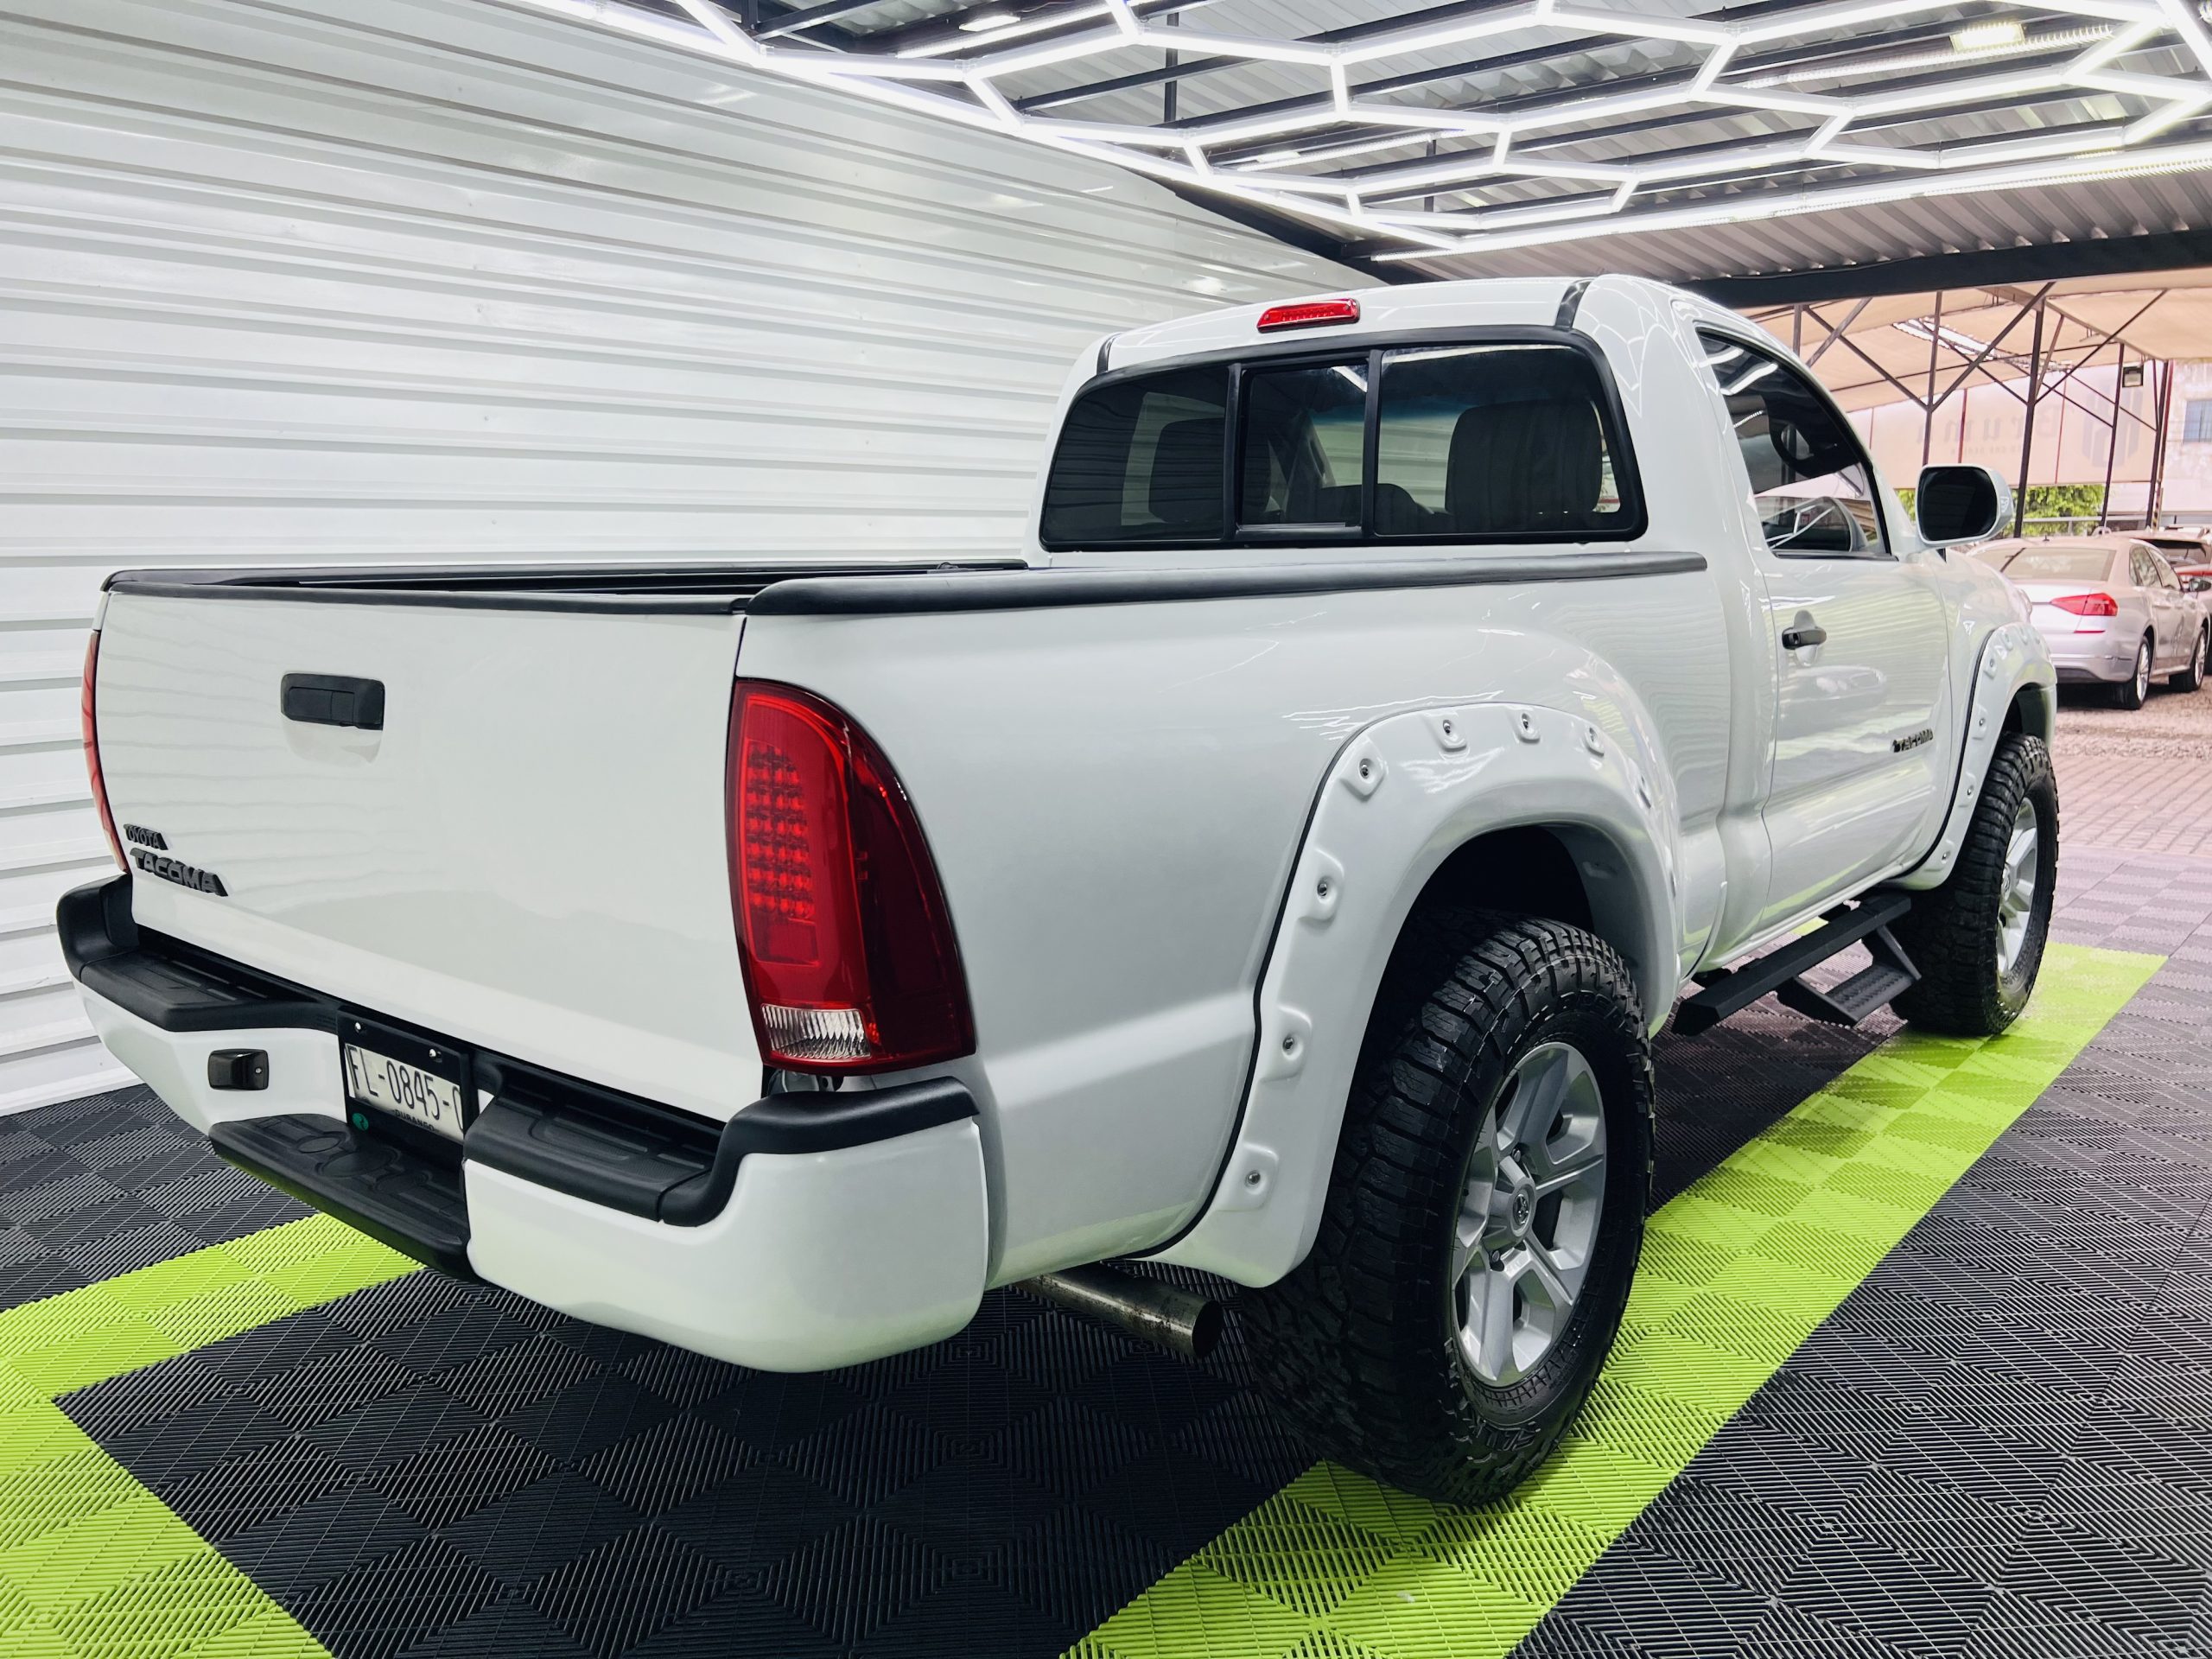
x=1498 y=440
x=1140 y=460
x=1304 y=445
x=2164 y=567
x=1809 y=477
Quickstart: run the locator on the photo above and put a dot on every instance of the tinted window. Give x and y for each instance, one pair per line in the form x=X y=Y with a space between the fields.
x=1494 y=440
x=1141 y=461
x=2059 y=564
x=1810 y=478
x=1499 y=441
x=1305 y=445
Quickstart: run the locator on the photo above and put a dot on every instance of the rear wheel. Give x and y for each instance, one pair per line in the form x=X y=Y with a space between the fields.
x=1978 y=940
x=2192 y=677
x=2135 y=691
x=1485 y=1214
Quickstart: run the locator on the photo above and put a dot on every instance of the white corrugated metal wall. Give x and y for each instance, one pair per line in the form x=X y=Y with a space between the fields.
x=320 y=281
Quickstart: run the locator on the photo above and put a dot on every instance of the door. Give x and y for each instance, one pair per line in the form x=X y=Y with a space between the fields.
x=1862 y=743
x=2173 y=618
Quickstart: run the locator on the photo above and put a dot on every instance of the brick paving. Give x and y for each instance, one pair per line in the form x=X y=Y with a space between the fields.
x=2137 y=781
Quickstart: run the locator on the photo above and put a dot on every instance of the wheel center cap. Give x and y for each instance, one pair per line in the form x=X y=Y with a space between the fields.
x=1515 y=1204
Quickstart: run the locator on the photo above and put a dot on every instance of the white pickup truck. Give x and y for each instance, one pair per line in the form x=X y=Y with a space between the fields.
x=1409 y=698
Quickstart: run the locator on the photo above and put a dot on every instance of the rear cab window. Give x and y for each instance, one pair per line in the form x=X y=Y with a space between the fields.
x=1478 y=441
x=2059 y=564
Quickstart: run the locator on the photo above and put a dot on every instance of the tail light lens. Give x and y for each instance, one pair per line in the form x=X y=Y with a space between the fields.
x=842 y=924
x=92 y=747
x=2088 y=605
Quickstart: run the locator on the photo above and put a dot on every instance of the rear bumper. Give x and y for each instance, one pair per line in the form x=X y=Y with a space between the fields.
x=2106 y=659
x=809 y=1232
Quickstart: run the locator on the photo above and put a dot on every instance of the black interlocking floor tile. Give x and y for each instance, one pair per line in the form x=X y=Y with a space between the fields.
x=672 y=1461
x=395 y=1601
x=82 y=1194
x=320 y=1541
x=258 y=1489
x=849 y=1581
x=614 y=1596
x=588 y=1415
x=448 y=1482
x=538 y=1527
x=743 y=1621
x=503 y=1630
x=756 y=1516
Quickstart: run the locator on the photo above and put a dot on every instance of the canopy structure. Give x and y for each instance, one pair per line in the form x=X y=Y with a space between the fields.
x=2060 y=382
x=1684 y=139
x=1923 y=348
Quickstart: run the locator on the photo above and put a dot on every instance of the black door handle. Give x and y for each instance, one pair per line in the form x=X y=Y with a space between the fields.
x=1799 y=638
x=333 y=700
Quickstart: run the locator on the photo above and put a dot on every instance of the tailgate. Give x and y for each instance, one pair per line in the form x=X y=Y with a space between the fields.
x=528 y=856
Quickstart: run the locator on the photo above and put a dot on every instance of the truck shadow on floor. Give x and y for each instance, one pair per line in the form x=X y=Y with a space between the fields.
x=433 y=1467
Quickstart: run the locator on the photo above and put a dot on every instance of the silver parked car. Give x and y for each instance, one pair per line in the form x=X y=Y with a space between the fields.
x=2112 y=611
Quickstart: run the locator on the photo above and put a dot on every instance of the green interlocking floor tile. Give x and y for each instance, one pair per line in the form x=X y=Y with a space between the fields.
x=1192 y=1608
x=1419 y=1607
x=1737 y=1271
x=1308 y=1559
x=93 y=1565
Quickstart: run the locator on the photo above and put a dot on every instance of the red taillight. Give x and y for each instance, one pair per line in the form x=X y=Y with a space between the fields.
x=92 y=747
x=2088 y=605
x=1309 y=313
x=842 y=924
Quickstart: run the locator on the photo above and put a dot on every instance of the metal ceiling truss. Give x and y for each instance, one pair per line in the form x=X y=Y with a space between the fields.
x=1413 y=141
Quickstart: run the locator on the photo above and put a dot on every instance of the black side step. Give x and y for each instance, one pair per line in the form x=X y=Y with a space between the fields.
x=394 y=1194
x=1781 y=971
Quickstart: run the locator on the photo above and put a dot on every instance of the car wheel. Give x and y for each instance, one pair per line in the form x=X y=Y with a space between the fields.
x=1978 y=940
x=2193 y=677
x=2135 y=691
x=1484 y=1216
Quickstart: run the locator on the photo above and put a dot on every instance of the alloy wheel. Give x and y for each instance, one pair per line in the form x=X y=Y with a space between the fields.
x=1529 y=1214
x=2016 y=900
x=2143 y=671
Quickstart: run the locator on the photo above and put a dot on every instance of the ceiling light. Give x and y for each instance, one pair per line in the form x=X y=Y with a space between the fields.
x=1980 y=37
x=1276 y=157
x=983 y=22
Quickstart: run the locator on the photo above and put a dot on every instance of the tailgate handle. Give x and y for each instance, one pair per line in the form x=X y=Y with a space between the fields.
x=335 y=700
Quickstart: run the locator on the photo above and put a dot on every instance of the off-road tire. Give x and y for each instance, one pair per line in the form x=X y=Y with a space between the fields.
x=2135 y=691
x=2191 y=676
x=1951 y=933
x=1357 y=1345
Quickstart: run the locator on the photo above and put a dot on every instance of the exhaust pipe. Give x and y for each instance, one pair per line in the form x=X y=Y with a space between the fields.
x=1181 y=1321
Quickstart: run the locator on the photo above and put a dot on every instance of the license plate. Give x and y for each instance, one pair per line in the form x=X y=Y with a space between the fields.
x=408 y=1091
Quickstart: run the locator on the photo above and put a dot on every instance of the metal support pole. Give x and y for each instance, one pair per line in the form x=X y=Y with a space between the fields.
x=2155 y=498
x=1172 y=20
x=2112 y=447
x=2028 y=433
x=1797 y=331
x=1928 y=409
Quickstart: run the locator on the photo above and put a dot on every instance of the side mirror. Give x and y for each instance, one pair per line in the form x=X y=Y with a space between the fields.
x=2197 y=585
x=1960 y=504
